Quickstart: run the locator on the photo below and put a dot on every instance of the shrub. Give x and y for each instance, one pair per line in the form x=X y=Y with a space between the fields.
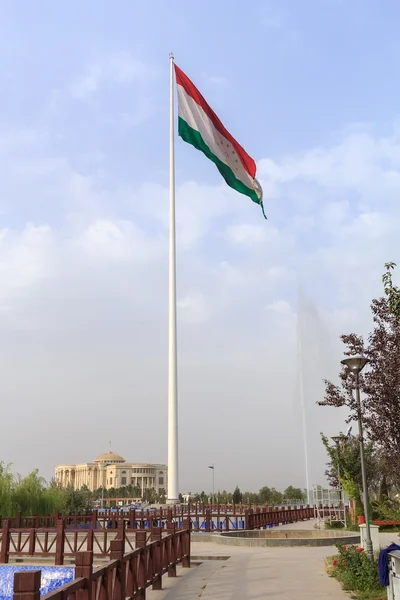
x=355 y=571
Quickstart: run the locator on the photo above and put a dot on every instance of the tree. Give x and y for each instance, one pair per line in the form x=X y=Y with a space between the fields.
x=150 y=495
x=6 y=491
x=392 y=291
x=77 y=502
x=270 y=496
x=29 y=495
x=237 y=496
x=379 y=383
x=344 y=467
x=292 y=494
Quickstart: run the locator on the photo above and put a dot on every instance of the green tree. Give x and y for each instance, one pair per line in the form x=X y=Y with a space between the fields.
x=77 y=502
x=392 y=291
x=150 y=495
x=237 y=496
x=344 y=466
x=7 y=508
x=276 y=497
x=292 y=494
x=29 y=495
x=264 y=495
x=270 y=496
x=225 y=497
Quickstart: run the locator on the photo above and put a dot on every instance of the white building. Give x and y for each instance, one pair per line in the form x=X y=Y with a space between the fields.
x=110 y=470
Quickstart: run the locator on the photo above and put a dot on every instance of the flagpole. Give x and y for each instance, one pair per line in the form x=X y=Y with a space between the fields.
x=173 y=493
x=301 y=390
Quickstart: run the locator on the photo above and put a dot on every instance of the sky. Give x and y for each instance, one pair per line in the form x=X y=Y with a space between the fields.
x=310 y=89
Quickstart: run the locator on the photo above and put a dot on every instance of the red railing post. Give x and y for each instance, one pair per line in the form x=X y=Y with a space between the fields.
x=186 y=547
x=156 y=533
x=90 y=540
x=172 y=550
x=140 y=543
x=56 y=517
x=84 y=568
x=60 y=540
x=94 y=519
x=208 y=520
x=5 y=542
x=32 y=541
x=121 y=530
x=27 y=585
x=248 y=519
x=117 y=553
x=132 y=518
x=257 y=518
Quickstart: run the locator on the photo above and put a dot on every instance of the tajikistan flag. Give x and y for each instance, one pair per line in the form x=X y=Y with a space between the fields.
x=199 y=125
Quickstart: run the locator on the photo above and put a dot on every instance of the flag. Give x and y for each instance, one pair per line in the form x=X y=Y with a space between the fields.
x=199 y=126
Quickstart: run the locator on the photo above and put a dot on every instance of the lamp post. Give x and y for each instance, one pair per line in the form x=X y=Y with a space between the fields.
x=213 y=482
x=337 y=439
x=355 y=364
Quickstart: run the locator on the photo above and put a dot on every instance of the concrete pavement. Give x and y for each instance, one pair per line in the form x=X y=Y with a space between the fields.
x=254 y=573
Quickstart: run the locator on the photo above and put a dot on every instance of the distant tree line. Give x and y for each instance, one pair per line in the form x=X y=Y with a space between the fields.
x=149 y=495
x=31 y=496
x=266 y=495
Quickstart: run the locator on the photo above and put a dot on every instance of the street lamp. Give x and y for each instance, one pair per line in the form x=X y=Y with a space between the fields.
x=213 y=481
x=355 y=364
x=337 y=439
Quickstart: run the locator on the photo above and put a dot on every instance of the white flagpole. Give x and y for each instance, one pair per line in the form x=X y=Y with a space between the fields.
x=301 y=390
x=173 y=486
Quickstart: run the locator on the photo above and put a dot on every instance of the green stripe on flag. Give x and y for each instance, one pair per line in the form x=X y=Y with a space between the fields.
x=193 y=137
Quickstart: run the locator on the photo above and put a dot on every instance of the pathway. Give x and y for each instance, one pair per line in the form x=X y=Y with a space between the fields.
x=257 y=573
x=254 y=573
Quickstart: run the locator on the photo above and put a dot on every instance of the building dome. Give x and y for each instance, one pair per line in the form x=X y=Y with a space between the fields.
x=109 y=457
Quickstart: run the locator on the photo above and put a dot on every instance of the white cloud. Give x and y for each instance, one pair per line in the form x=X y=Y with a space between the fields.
x=193 y=308
x=281 y=307
x=118 y=68
x=118 y=240
x=25 y=257
x=250 y=234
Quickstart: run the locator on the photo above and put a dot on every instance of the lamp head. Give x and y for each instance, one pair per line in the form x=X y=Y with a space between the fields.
x=355 y=363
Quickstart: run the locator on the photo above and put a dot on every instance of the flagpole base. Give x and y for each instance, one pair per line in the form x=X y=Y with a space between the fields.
x=172 y=501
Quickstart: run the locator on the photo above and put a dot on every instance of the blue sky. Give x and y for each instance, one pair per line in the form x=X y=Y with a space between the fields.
x=310 y=90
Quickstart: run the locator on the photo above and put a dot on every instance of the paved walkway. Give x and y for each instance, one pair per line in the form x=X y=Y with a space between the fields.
x=257 y=573
x=254 y=573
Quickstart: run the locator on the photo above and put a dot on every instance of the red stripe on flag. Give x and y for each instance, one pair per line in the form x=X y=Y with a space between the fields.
x=246 y=160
